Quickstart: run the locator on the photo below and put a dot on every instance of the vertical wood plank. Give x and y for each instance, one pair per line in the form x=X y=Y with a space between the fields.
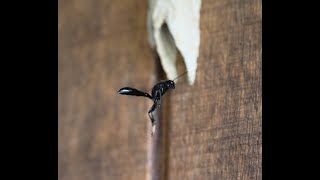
x=215 y=126
x=102 y=47
x=209 y=131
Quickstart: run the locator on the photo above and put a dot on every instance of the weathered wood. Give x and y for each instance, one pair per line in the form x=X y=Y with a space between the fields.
x=211 y=130
x=215 y=127
x=103 y=47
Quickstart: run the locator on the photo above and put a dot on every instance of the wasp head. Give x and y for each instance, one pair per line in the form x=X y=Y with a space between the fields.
x=170 y=84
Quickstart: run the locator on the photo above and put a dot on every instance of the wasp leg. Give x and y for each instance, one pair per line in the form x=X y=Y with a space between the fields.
x=158 y=99
x=152 y=118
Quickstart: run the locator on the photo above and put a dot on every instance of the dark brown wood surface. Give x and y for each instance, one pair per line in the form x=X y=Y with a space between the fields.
x=212 y=130
x=103 y=46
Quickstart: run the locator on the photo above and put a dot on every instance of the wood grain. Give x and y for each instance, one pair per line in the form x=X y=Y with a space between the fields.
x=103 y=46
x=214 y=128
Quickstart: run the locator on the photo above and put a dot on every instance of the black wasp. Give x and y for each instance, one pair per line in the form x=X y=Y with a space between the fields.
x=158 y=91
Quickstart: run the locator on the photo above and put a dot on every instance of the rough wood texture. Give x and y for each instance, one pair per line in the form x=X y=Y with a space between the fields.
x=211 y=130
x=103 y=46
x=214 y=129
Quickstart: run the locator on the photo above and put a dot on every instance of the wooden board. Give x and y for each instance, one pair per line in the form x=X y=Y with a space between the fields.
x=103 y=46
x=214 y=128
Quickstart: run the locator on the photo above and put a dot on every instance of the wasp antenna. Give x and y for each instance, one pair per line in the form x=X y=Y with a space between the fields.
x=180 y=75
